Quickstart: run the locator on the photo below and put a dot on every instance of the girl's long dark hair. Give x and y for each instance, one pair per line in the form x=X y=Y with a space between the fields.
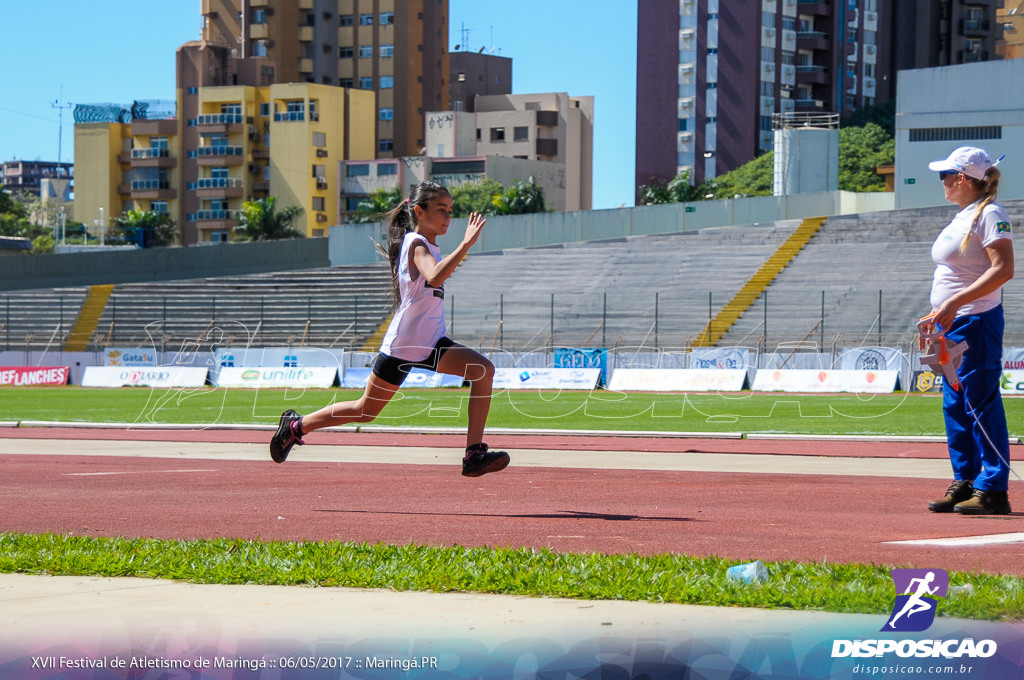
x=400 y=221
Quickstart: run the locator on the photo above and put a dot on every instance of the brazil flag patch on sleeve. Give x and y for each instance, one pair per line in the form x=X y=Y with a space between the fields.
x=1002 y=227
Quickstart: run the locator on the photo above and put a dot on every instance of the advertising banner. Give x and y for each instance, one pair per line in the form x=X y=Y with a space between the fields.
x=546 y=378
x=871 y=359
x=255 y=376
x=1012 y=383
x=805 y=380
x=728 y=358
x=279 y=356
x=419 y=377
x=38 y=375
x=142 y=376
x=573 y=357
x=677 y=380
x=120 y=356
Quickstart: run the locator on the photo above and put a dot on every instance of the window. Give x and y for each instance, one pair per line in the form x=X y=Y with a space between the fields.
x=955 y=134
x=193 y=90
x=318 y=203
x=158 y=207
x=264 y=109
x=386 y=145
x=320 y=139
x=684 y=124
x=521 y=133
x=387 y=18
x=387 y=50
x=366 y=83
x=359 y=170
x=387 y=82
x=498 y=134
x=259 y=48
x=345 y=53
x=259 y=16
x=387 y=169
x=345 y=82
x=366 y=20
x=345 y=20
x=387 y=114
x=319 y=171
x=366 y=52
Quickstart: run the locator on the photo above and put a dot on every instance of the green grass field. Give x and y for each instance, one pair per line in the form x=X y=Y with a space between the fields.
x=660 y=578
x=887 y=414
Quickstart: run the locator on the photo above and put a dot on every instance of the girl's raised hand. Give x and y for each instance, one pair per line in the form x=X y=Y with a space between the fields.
x=473 y=229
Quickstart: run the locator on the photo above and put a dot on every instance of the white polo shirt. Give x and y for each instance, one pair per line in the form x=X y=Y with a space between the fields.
x=955 y=271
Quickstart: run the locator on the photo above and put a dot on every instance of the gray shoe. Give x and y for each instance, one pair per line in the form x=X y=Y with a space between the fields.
x=960 y=490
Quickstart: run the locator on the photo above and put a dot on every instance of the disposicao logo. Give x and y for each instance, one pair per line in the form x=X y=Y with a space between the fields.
x=913 y=611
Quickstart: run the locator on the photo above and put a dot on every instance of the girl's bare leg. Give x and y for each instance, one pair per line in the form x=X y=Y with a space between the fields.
x=479 y=371
x=375 y=397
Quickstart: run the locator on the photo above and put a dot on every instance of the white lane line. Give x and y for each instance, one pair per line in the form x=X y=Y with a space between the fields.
x=962 y=541
x=128 y=472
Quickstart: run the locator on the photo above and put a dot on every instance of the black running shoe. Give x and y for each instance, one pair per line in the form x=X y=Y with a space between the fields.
x=479 y=461
x=284 y=439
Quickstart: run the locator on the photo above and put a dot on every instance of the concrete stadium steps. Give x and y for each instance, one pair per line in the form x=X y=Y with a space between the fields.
x=88 y=317
x=33 y=320
x=632 y=291
x=855 y=259
x=333 y=307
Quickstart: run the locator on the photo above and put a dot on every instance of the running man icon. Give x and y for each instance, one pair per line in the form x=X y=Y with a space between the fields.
x=916 y=606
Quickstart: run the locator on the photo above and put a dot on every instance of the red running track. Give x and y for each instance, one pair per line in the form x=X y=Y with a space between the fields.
x=736 y=515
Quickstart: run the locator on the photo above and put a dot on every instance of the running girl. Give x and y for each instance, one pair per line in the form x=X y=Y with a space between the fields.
x=416 y=335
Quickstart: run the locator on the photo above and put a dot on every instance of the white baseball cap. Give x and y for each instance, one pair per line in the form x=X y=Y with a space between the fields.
x=970 y=160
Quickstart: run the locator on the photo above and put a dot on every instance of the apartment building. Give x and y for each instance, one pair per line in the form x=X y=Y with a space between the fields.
x=202 y=167
x=397 y=49
x=548 y=136
x=732 y=68
x=28 y=176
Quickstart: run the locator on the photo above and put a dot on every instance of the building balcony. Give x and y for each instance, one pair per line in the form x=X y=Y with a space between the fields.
x=214 y=219
x=219 y=155
x=261 y=187
x=259 y=31
x=816 y=7
x=152 y=189
x=547 y=118
x=547 y=147
x=220 y=123
x=305 y=34
x=293 y=116
x=152 y=158
x=261 y=154
x=165 y=127
x=305 y=65
x=975 y=27
x=811 y=73
x=219 y=187
x=813 y=40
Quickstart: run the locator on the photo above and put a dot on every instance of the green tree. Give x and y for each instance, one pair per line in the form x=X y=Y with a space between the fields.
x=13 y=217
x=861 y=151
x=379 y=202
x=261 y=221
x=475 y=197
x=522 y=198
x=146 y=228
x=679 y=189
x=754 y=178
x=43 y=245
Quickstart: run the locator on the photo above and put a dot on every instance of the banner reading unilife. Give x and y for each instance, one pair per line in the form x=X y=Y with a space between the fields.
x=18 y=376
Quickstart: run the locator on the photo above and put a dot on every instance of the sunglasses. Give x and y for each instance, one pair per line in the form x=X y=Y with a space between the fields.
x=947 y=173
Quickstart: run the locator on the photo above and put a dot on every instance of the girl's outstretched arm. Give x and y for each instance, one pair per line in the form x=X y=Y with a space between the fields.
x=436 y=273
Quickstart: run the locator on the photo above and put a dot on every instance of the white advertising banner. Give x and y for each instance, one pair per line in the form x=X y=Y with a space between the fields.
x=279 y=356
x=726 y=358
x=144 y=376
x=546 y=378
x=1013 y=358
x=121 y=356
x=1012 y=383
x=806 y=380
x=255 y=376
x=677 y=380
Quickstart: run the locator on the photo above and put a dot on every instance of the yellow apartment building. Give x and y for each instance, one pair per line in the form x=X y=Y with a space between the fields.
x=241 y=143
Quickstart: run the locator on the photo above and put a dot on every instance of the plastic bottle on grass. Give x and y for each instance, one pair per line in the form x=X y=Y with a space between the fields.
x=753 y=572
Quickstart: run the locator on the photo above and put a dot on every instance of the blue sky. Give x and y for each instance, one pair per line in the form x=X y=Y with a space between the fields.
x=107 y=51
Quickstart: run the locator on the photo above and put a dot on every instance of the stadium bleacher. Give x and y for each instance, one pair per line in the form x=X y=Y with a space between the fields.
x=861 y=280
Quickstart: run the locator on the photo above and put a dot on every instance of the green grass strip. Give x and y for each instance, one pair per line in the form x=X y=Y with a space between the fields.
x=848 y=588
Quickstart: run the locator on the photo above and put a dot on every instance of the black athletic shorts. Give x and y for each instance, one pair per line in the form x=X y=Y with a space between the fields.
x=395 y=370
